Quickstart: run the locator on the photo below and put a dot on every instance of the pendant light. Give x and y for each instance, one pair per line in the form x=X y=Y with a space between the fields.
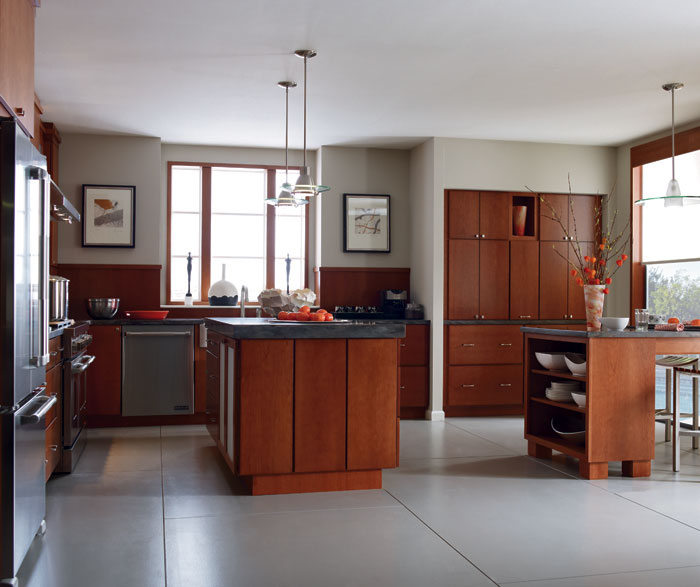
x=305 y=185
x=285 y=198
x=673 y=197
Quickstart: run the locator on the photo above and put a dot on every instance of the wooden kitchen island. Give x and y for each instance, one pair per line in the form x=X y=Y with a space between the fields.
x=304 y=407
x=620 y=391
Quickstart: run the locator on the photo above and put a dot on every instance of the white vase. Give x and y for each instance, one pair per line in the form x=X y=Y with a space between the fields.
x=223 y=293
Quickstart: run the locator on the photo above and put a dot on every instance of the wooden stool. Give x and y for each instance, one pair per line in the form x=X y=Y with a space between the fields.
x=677 y=432
x=665 y=415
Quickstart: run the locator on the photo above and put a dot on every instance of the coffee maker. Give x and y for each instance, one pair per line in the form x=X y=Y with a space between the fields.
x=394 y=303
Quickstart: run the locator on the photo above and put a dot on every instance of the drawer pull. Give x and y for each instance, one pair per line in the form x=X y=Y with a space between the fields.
x=468 y=344
x=53 y=448
x=523 y=317
x=402 y=344
x=483 y=236
x=505 y=344
x=505 y=385
x=53 y=353
x=468 y=385
x=402 y=387
x=476 y=236
x=19 y=111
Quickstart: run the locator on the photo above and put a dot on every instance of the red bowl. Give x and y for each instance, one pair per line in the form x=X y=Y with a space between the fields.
x=146 y=314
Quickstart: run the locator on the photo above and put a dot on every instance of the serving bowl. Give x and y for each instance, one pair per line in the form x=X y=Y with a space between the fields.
x=552 y=361
x=576 y=363
x=570 y=427
x=580 y=398
x=616 y=324
x=102 y=308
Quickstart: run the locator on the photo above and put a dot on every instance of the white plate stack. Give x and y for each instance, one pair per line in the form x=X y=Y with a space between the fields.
x=560 y=391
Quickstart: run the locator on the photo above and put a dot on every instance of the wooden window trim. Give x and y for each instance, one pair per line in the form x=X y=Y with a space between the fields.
x=205 y=232
x=686 y=142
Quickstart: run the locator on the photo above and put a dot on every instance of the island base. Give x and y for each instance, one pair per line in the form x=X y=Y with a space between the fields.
x=313 y=482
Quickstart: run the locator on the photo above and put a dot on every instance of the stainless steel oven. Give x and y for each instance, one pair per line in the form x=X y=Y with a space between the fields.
x=75 y=395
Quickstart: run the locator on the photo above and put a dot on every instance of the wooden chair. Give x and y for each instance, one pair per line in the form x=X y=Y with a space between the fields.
x=669 y=362
x=678 y=372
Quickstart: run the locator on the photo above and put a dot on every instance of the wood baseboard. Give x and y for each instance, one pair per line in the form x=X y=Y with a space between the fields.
x=313 y=482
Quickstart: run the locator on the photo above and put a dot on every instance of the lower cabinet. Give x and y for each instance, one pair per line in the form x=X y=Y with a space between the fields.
x=414 y=371
x=54 y=387
x=104 y=377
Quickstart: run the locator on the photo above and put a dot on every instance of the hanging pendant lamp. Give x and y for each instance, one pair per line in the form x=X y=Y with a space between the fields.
x=305 y=185
x=285 y=198
x=673 y=197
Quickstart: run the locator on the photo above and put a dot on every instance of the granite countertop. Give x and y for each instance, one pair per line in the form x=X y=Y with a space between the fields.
x=511 y=322
x=629 y=333
x=267 y=328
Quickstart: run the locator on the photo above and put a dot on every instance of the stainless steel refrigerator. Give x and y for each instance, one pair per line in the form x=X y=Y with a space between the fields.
x=24 y=333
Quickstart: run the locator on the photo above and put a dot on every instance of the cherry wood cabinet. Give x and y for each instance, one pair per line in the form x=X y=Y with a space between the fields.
x=560 y=295
x=524 y=283
x=214 y=392
x=493 y=280
x=476 y=386
x=478 y=215
x=414 y=371
x=577 y=213
x=104 y=382
x=54 y=387
x=17 y=61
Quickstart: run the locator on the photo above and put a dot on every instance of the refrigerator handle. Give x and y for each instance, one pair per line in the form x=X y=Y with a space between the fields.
x=42 y=357
x=43 y=404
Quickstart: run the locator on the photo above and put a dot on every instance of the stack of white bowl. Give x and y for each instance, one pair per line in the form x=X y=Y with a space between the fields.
x=560 y=391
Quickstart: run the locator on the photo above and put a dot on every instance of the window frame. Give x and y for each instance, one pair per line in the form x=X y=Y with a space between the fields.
x=205 y=232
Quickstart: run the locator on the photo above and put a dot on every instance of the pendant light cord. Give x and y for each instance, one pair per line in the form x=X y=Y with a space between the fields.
x=286 y=134
x=673 y=133
x=305 y=59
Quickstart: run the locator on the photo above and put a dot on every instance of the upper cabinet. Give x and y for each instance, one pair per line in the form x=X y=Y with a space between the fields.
x=17 y=61
x=478 y=215
x=577 y=215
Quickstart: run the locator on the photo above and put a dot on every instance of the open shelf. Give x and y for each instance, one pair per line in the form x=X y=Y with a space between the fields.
x=565 y=405
x=560 y=374
x=529 y=202
x=559 y=444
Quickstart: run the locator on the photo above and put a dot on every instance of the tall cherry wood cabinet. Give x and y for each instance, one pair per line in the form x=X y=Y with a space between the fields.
x=498 y=278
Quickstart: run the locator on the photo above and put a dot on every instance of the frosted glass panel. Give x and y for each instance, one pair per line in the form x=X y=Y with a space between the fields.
x=289 y=236
x=186 y=189
x=184 y=234
x=248 y=272
x=238 y=191
x=178 y=278
x=288 y=210
x=669 y=234
x=237 y=235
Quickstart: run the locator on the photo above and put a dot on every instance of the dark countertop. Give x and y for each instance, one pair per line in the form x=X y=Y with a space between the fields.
x=266 y=328
x=132 y=322
x=511 y=322
x=611 y=333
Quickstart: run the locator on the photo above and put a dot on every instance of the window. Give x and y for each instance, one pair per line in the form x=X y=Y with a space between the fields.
x=218 y=214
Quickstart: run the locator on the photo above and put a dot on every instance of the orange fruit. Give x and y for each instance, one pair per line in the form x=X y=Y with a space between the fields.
x=303 y=316
x=674 y=321
x=321 y=311
x=305 y=309
x=283 y=316
x=695 y=322
x=329 y=317
x=317 y=317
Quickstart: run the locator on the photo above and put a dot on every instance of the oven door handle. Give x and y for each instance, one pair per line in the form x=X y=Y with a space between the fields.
x=82 y=364
x=45 y=403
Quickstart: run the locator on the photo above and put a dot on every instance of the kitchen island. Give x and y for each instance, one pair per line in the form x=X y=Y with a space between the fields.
x=304 y=407
x=620 y=390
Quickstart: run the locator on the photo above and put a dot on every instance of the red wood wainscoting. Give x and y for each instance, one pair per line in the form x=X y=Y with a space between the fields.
x=358 y=286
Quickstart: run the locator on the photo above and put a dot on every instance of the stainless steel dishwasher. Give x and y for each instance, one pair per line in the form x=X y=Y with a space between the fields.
x=157 y=370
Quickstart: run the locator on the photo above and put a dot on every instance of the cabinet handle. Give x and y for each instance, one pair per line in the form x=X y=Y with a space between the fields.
x=565 y=316
x=468 y=344
x=525 y=316
x=402 y=344
x=505 y=344
x=476 y=236
x=482 y=316
x=53 y=353
x=53 y=448
x=468 y=385
x=19 y=111
x=571 y=316
x=483 y=236
x=402 y=387
x=505 y=385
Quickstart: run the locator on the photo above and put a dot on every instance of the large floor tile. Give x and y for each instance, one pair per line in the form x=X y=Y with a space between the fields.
x=121 y=449
x=685 y=577
x=380 y=546
x=431 y=440
x=505 y=431
x=519 y=521
x=102 y=529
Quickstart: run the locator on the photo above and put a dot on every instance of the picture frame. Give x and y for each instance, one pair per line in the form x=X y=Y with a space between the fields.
x=366 y=223
x=109 y=216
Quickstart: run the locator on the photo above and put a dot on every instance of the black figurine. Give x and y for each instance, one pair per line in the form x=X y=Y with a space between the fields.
x=288 y=261
x=189 y=276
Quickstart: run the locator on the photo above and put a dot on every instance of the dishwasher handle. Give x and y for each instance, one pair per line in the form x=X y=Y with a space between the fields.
x=158 y=334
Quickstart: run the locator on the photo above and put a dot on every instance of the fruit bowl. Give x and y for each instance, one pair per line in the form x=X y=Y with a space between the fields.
x=576 y=363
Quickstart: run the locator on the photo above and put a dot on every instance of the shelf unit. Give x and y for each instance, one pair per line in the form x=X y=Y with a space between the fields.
x=532 y=214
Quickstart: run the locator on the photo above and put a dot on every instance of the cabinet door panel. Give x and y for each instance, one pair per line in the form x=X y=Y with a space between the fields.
x=319 y=405
x=485 y=385
x=549 y=229
x=415 y=348
x=462 y=214
x=54 y=387
x=584 y=213
x=494 y=216
x=553 y=281
x=463 y=280
x=493 y=279
x=413 y=387
x=480 y=345
x=524 y=280
x=576 y=306
x=372 y=403
x=104 y=381
x=266 y=406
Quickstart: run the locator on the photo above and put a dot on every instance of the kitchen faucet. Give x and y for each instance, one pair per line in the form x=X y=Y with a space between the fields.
x=244 y=299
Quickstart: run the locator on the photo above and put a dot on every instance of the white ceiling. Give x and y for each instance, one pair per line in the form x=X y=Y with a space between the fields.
x=388 y=72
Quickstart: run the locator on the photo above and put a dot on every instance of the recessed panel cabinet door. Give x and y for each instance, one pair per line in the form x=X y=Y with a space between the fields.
x=463 y=280
x=524 y=280
x=553 y=281
x=549 y=228
x=494 y=216
x=463 y=214
x=493 y=279
x=584 y=214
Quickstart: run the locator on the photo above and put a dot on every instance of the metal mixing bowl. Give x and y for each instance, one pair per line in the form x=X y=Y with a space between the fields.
x=103 y=308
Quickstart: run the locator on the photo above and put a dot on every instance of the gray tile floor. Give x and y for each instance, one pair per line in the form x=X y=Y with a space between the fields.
x=156 y=506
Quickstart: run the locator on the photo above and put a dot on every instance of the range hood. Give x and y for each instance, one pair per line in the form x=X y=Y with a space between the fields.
x=61 y=207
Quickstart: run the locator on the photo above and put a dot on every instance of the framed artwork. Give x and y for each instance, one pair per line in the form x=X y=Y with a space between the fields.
x=366 y=223
x=109 y=215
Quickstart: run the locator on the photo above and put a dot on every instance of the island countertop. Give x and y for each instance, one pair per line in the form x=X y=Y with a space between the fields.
x=628 y=333
x=268 y=328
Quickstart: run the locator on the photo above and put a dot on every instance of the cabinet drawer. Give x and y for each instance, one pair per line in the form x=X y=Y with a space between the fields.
x=484 y=345
x=53 y=387
x=413 y=387
x=55 y=352
x=53 y=448
x=480 y=386
x=413 y=350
